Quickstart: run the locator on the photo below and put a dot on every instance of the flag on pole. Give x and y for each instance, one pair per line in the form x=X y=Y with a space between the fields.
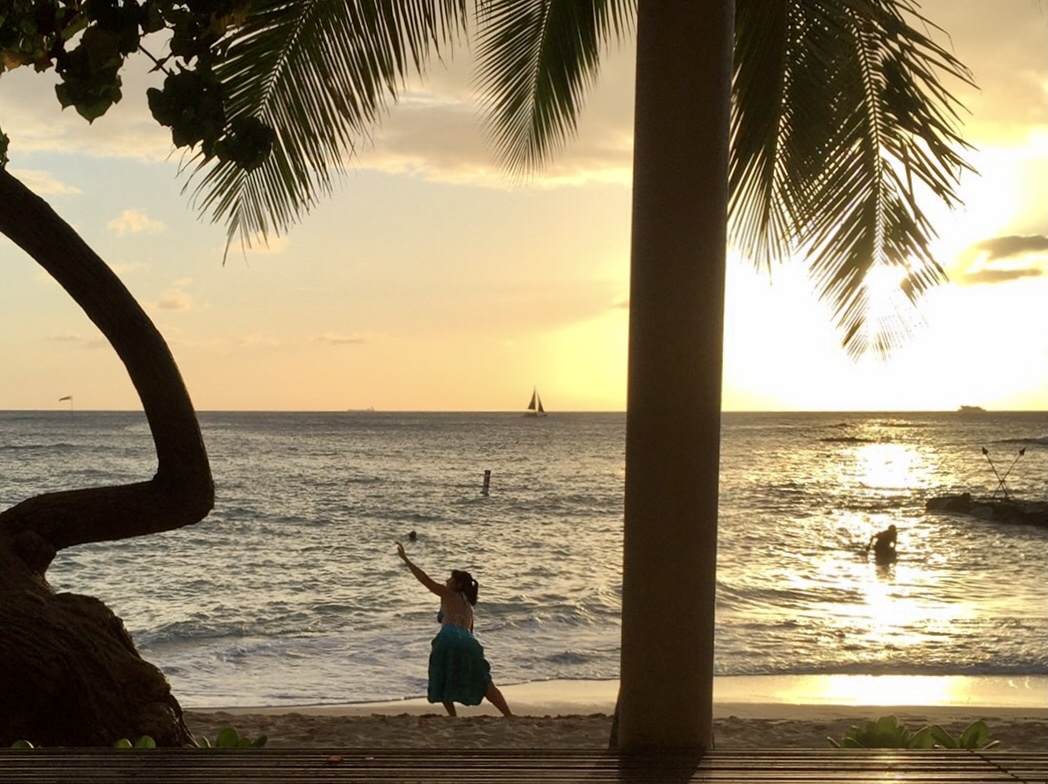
x=67 y=397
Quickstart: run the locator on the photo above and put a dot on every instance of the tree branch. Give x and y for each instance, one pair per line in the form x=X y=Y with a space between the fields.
x=182 y=491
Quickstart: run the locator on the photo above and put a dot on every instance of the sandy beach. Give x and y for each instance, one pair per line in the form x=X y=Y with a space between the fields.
x=748 y=713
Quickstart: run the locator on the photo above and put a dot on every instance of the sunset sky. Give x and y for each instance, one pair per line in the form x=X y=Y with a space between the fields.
x=432 y=281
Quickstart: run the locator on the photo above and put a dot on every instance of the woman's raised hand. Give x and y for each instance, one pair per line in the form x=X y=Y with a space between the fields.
x=401 y=553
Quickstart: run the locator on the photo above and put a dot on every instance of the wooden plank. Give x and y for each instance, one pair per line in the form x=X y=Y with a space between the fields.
x=516 y=766
x=1031 y=767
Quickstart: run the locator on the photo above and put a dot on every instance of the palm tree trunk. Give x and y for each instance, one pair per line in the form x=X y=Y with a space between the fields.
x=683 y=92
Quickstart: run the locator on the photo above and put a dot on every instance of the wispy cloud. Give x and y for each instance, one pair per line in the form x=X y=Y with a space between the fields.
x=134 y=222
x=175 y=297
x=254 y=340
x=65 y=337
x=267 y=246
x=1005 y=259
x=334 y=339
x=990 y=276
x=445 y=142
x=92 y=343
x=43 y=184
x=37 y=123
x=1013 y=246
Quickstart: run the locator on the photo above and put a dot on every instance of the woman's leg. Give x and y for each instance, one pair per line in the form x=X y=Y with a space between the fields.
x=450 y=708
x=495 y=698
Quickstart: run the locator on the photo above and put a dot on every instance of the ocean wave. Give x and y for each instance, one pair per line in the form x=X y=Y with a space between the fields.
x=291 y=592
x=1027 y=440
x=1034 y=667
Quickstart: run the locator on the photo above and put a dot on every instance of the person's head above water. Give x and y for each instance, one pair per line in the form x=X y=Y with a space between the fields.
x=463 y=582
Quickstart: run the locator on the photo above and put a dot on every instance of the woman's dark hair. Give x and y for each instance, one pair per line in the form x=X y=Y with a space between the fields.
x=466 y=584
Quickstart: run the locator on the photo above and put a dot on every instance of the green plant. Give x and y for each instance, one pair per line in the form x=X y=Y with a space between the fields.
x=975 y=736
x=884 y=733
x=229 y=738
x=144 y=742
x=888 y=732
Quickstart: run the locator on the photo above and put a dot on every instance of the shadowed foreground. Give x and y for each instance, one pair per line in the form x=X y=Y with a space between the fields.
x=268 y=766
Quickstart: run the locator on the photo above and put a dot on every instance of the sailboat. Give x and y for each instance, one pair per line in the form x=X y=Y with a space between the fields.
x=535 y=408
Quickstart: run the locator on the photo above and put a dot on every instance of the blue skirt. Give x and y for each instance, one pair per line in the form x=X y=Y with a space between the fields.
x=458 y=671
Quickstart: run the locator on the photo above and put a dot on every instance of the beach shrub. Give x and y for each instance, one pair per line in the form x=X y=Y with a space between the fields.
x=145 y=742
x=884 y=733
x=888 y=732
x=975 y=736
x=229 y=738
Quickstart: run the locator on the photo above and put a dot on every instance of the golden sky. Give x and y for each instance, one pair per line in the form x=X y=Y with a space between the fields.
x=431 y=281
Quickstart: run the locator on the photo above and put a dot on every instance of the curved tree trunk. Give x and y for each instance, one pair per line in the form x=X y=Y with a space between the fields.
x=680 y=176
x=69 y=673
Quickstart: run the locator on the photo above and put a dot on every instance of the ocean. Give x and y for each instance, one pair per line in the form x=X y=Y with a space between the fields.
x=290 y=592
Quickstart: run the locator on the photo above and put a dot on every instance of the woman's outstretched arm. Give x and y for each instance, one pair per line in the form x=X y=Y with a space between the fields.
x=421 y=576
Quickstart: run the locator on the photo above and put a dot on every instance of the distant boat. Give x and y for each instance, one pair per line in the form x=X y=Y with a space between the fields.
x=971 y=410
x=535 y=408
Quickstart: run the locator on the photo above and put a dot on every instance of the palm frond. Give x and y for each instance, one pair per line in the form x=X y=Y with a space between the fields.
x=838 y=110
x=320 y=73
x=536 y=59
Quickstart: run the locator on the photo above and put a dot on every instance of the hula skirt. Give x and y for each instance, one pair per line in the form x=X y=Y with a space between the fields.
x=458 y=671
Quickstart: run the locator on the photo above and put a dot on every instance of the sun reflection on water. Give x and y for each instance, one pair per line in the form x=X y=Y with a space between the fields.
x=879 y=690
x=896 y=609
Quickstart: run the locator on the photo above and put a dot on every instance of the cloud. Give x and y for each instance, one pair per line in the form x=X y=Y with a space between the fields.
x=444 y=141
x=43 y=184
x=1013 y=246
x=175 y=298
x=254 y=340
x=37 y=123
x=1006 y=54
x=436 y=131
x=1006 y=259
x=991 y=276
x=134 y=222
x=267 y=245
x=333 y=339
x=74 y=339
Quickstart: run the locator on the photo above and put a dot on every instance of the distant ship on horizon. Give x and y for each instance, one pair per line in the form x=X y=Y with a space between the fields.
x=971 y=410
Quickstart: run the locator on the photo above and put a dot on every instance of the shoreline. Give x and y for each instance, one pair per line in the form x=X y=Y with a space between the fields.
x=768 y=694
x=748 y=712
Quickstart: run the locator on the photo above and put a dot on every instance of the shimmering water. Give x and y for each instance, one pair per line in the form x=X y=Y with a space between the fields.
x=290 y=591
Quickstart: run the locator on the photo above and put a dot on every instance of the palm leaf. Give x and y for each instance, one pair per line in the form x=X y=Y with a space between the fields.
x=838 y=109
x=320 y=73
x=536 y=59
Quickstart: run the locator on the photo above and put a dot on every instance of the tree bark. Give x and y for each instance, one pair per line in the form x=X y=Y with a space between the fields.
x=69 y=673
x=680 y=175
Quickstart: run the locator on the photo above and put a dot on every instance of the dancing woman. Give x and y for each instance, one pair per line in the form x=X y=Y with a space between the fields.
x=458 y=671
